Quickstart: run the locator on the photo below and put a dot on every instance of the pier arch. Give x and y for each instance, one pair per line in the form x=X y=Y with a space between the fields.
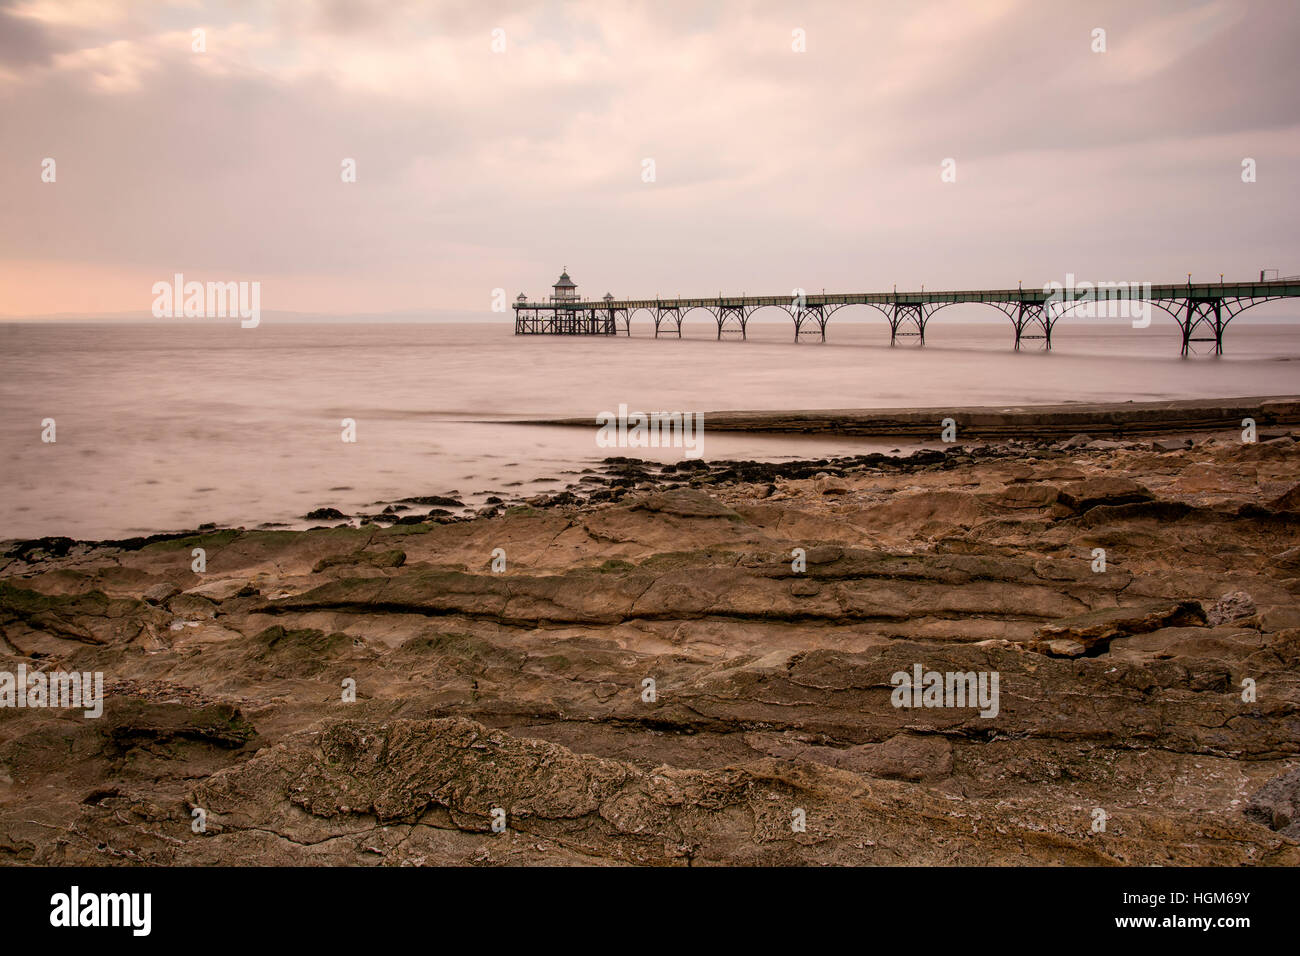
x=632 y=314
x=697 y=321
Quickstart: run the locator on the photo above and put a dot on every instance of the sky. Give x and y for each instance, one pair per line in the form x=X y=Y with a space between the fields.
x=792 y=145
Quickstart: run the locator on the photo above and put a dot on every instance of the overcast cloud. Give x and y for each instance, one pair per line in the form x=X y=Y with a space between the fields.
x=774 y=169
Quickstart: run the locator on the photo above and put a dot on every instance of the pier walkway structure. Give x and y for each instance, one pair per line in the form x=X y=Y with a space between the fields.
x=1202 y=310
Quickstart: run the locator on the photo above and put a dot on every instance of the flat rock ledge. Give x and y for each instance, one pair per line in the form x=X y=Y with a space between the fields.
x=955 y=658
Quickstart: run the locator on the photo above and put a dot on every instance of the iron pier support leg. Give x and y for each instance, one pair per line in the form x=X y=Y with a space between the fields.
x=726 y=312
x=1218 y=327
x=816 y=314
x=1187 y=328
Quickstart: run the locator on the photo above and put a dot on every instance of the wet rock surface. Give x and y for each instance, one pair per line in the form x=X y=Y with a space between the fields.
x=692 y=664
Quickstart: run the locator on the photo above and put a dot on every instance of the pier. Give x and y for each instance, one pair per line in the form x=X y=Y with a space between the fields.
x=1202 y=310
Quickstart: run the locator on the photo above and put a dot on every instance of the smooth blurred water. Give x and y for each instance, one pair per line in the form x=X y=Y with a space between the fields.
x=163 y=426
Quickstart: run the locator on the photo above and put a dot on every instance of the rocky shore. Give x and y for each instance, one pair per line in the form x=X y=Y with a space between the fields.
x=691 y=664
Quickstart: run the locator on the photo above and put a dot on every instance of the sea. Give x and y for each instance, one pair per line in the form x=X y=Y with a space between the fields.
x=164 y=426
